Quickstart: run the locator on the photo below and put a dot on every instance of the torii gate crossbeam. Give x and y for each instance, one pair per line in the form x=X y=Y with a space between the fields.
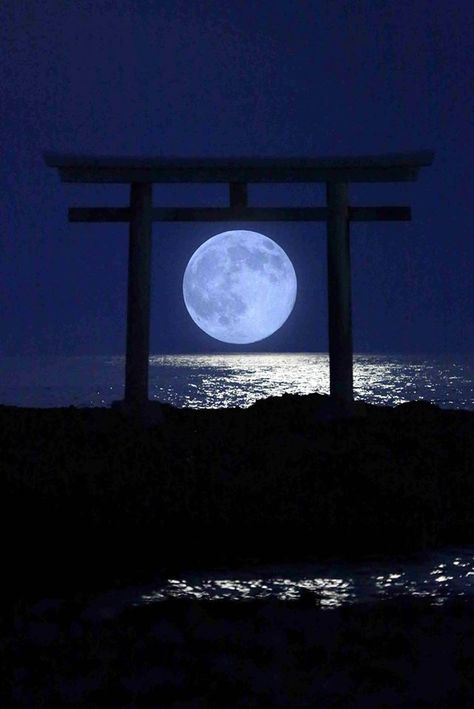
x=142 y=173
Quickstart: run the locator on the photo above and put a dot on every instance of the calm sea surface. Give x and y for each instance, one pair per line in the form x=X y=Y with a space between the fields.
x=230 y=380
x=239 y=380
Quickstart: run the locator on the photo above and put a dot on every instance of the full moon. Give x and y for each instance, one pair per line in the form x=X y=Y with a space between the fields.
x=239 y=287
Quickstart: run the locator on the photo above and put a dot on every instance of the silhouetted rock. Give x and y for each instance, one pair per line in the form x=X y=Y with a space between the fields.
x=404 y=653
x=87 y=496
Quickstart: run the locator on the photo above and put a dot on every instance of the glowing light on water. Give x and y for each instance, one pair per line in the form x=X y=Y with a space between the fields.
x=214 y=381
x=438 y=576
x=327 y=592
x=230 y=380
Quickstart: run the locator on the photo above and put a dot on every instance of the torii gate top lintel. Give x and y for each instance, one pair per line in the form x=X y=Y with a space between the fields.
x=396 y=167
x=238 y=172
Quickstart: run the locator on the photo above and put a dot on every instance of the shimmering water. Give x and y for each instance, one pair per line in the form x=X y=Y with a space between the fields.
x=229 y=380
x=436 y=576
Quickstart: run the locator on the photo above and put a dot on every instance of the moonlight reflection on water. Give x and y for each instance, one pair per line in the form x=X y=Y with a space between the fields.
x=229 y=380
x=214 y=381
x=438 y=576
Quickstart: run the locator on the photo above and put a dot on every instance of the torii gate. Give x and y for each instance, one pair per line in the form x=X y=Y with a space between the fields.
x=142 y=173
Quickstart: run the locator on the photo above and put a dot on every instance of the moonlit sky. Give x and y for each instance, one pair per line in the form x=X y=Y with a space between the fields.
x=213 y=78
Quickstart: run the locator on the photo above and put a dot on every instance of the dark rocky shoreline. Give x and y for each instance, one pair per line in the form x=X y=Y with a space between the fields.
x=204 y=655
x=88 y=498
x=89 y=502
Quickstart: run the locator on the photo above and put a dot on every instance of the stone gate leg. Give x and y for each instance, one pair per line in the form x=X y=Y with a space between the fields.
x=339 y=296
x=138 y=307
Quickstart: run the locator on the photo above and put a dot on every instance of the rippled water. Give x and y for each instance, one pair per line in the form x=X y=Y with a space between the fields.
x=437 y=576
x=210 y=381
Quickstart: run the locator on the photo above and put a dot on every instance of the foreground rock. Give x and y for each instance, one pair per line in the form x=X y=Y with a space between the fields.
x=251 y=654
x=87 y=497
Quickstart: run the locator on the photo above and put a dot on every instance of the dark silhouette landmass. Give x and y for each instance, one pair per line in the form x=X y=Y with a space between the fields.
x=89 y=499
x=214 y=654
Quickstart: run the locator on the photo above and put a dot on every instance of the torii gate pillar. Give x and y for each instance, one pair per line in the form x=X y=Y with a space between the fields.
x=339 y=295
x=138 y=310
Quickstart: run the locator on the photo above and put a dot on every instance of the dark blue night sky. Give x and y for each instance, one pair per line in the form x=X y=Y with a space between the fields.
x=234 y=77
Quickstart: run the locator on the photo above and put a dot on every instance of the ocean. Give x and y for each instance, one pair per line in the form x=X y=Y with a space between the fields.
x=234 y=380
